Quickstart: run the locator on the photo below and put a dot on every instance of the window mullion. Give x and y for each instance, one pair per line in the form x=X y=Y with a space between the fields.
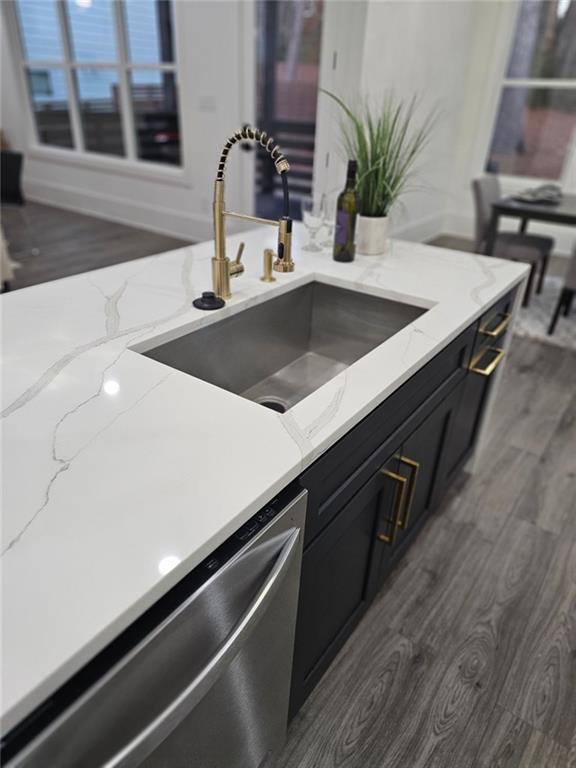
x=26 y=70
x=124 y=84
x=159 y=66
x=73 y=101
x=535 y=82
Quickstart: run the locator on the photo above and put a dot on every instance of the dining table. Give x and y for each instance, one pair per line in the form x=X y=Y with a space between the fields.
x=562 y=212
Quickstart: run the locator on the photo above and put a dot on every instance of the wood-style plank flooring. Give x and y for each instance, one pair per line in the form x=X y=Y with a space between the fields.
x=467 y=659
x=50 y=243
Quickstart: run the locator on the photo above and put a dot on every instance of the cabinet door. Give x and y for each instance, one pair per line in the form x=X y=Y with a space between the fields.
x=419 y=467
x=473 y=393
x=340 y=472
x=336 y=578
x=486 y=356
x=421 y=461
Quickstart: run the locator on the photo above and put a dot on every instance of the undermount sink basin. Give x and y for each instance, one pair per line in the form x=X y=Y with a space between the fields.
x=280 y=351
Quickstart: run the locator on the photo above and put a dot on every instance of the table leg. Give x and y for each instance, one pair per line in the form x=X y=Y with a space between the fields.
x=563 y=303
x=529 y=284
x=491 y=234
x=543 y=269
x=523 y=226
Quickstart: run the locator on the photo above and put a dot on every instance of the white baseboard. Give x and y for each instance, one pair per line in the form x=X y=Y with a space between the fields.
x=164 y=221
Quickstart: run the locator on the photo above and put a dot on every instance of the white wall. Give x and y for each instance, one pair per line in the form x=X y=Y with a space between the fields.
x=451 y=54
x=343 y=37
x=215 y=54
x=12 y=114
x=422 y=49
x=411 y=49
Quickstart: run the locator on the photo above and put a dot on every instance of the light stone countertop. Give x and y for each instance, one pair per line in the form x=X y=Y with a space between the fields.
x=115 y=466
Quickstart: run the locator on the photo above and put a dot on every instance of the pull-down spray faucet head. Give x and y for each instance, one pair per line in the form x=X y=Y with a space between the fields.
x=222 y=268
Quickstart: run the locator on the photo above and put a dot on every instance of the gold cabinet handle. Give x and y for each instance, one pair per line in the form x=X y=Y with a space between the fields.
x=401 y=482
x=492 y=365
x=500 y=328
x=414 y=467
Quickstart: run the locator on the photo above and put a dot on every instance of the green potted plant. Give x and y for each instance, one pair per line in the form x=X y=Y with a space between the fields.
x=385 y=144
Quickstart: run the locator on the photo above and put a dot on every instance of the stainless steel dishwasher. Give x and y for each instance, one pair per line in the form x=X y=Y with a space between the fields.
x=201 y=681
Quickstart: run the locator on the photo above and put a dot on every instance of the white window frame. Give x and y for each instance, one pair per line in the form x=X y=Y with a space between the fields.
x=516 y=82
x=129 y=164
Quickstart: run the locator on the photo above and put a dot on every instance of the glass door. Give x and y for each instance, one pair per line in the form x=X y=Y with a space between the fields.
x=287 y=75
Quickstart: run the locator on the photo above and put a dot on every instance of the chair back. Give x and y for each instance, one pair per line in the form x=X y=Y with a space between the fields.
x=486 y=191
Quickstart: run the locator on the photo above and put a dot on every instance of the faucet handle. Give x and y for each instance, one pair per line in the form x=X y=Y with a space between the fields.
x=240 y=252
x=236 y=267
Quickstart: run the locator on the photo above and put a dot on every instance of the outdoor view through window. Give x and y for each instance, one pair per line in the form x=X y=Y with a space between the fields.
x=536 y=120
x=102 y=76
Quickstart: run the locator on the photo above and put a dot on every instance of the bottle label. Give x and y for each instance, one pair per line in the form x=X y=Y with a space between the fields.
x=342 y=228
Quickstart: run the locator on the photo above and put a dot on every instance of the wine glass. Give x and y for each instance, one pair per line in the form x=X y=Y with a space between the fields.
x=328 y=204
x=313 y=220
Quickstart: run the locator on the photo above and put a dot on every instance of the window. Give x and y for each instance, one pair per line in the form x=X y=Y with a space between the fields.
x=536 y=120
x=101 y=76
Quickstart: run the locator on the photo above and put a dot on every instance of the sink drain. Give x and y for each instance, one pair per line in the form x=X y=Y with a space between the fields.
x=274 y=403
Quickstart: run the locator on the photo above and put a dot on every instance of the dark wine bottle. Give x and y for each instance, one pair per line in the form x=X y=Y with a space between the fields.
x=346 y=211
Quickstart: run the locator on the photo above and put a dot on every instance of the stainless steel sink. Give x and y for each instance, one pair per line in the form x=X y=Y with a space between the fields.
x=280 y=351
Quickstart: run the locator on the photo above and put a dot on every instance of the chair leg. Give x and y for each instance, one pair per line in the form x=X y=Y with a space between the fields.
x=542 y=277
x=568 y=301
x=560 y=305
x=529 y=283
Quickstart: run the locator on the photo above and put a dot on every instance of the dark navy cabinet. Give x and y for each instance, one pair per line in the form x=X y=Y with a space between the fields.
x=372 y=492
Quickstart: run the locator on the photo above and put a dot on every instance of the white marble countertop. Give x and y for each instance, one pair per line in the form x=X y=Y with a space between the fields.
x=117 y=468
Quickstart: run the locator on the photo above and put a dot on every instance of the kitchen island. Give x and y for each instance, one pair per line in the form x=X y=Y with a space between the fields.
x=120 y=474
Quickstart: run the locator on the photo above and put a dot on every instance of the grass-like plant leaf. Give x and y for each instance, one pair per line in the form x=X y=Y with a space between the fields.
x=385 y=145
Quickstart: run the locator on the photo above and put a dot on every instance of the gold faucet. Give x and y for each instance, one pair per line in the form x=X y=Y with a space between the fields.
x=222 y=268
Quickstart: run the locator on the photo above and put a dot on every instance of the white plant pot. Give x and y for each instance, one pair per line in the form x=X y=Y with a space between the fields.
x=372 y=235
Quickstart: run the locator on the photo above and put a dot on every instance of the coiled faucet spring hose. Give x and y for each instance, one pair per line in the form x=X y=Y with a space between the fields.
x=270 y=145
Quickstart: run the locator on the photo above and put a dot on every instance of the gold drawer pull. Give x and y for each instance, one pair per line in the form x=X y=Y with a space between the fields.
x=492 y=365
x=414 y=469
x=500 y=328
x=388 y=538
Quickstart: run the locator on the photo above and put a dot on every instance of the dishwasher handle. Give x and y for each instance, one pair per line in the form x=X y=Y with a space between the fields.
x=155 y=733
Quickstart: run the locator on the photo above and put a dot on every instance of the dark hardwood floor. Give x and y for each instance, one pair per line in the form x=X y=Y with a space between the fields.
x=50 y=243
x=468 y=657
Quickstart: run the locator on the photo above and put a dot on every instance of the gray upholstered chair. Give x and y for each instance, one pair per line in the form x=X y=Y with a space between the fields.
x=6 y=265
x=566 y=294
x=516 y=246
